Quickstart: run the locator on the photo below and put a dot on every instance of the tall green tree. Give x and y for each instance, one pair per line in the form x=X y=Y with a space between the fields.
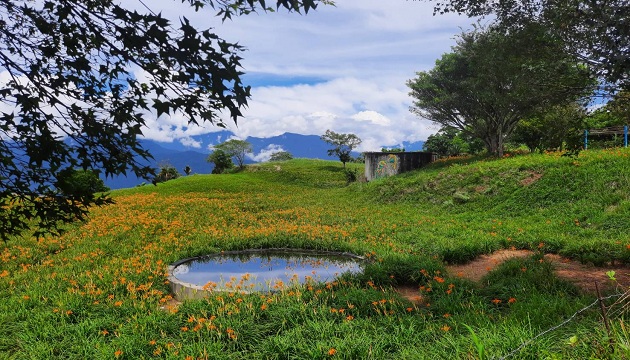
x=596 y=31
x=75 y=100
x=237 y=149
x=552 y=128
x=491 y=81
x=619 y=107
x=221 y=160
x=452 y=142
x=343 y=144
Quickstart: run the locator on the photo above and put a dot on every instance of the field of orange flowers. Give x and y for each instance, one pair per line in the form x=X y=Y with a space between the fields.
x=100 y=290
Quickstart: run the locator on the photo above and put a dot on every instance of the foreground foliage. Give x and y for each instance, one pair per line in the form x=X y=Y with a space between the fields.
x=594 y=30
x=99 y=291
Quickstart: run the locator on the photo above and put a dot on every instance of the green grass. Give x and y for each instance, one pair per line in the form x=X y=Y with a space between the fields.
x=99 y=290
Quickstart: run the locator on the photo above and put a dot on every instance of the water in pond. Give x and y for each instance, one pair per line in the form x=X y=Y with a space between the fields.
x=264 y=271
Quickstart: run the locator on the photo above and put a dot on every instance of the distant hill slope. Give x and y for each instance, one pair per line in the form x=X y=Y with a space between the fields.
x=179 y=159
x=180 y=156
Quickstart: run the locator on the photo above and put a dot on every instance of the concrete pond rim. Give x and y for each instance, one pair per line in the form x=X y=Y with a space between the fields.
x=183 y=290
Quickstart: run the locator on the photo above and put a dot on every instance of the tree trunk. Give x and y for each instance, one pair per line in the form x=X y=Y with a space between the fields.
x=492 y=145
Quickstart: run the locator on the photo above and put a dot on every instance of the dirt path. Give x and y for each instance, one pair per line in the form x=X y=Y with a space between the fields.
x=584 y=276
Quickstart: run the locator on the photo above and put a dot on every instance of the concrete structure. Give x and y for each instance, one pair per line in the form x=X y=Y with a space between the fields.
x=384 y=164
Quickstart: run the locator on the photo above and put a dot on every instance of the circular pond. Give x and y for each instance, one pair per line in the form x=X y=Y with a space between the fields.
x=257 y=270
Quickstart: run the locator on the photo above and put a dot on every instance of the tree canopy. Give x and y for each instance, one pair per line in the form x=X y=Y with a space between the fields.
x=80 y=78
x=492 y=80
x=221 y=160
x=343 y=144
x=552 y=129
x=237 y=149
x=597 y=31
x=452 y=142
x=281 y=156
x=619 y=107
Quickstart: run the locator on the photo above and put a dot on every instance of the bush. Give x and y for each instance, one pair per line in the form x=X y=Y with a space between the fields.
x=81 y=182
x=281 y=156
x=351 y=175
x=167 y=172
x=222 y=161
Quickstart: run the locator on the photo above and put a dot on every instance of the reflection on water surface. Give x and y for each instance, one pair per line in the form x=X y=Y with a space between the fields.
x=262 y=271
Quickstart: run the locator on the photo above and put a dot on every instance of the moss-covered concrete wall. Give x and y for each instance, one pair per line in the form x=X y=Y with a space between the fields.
x=384 y=164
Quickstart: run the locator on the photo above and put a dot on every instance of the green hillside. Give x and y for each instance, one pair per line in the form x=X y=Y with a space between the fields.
x=100 y=290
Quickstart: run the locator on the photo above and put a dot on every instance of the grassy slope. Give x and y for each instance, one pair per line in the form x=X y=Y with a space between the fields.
x=577 y=207
x=96 y=291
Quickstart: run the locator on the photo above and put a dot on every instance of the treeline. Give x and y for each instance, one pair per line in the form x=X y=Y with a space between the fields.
x=559 y=128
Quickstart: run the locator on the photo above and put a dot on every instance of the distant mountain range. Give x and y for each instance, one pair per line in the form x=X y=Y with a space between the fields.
x=180 y=155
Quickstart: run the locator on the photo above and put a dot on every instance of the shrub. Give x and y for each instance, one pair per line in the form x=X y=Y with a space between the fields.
x=351 y=175
x=167 y=172
x=222 y=161
x=81 y=182
x=281 y=156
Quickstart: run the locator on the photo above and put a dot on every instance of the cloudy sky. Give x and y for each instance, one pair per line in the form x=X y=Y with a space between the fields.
x=342 y=68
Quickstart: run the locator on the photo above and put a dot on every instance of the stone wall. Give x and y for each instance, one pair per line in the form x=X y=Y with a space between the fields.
x=384 y=164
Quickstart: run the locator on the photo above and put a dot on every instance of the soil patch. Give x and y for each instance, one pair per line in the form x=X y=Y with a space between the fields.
x=410 y=293
x=531 y=178
x=582 y=275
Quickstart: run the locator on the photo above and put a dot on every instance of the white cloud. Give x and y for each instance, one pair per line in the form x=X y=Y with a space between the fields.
x=265 y=154
x=377 y=112
x=372 y=117
x=357 y=56
x=188 y=141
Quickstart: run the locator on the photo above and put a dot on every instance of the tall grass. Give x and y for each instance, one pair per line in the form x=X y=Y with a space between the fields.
x=100 y=290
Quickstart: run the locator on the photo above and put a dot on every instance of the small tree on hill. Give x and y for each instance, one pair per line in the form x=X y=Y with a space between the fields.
x=343 y=145
x=236 y=149
x=441 y=142
x=221 y=160
x=281 y=156
x=619 y=108
x=359 y=159
x=167 y=172
x=551 y=129
x=451 y=142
